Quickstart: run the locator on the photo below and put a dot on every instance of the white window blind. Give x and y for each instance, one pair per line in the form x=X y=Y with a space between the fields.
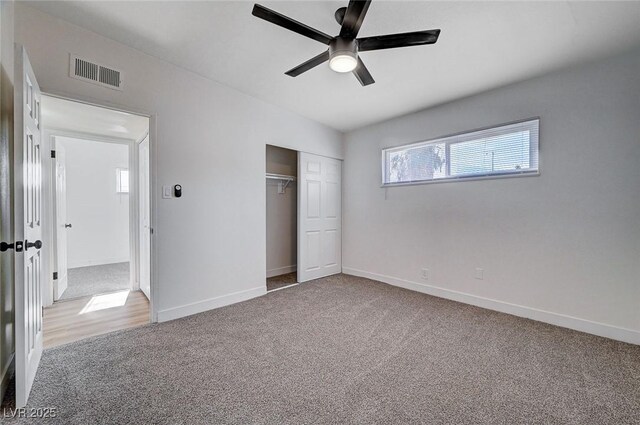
x=506 y=150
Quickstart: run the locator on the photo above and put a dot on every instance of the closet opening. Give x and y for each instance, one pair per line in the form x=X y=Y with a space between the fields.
x=281 y=217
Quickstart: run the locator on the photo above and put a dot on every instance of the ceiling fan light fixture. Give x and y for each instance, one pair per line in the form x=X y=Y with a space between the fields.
x=343 y=55
x=343 y=63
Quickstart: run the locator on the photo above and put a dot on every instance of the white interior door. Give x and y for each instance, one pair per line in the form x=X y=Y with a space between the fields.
x=28 y=226
x=62 y=226
x=319 y=216
x=145 y=222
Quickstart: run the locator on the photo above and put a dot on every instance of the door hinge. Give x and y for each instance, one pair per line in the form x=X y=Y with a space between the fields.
x=55 y=275
x=53 y=154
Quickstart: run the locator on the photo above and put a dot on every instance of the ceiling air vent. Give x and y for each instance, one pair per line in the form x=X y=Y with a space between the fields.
x=95 y=73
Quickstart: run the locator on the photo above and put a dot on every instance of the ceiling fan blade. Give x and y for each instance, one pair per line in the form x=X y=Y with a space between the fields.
x=362 y=74
x=353 y=18
x=392 y=41
x=290 y=24
x=311 y=63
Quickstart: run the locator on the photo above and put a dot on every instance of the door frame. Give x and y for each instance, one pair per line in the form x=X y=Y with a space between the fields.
x=51 y=134
x=49 y=187
x=266 y=248
x=298 y=203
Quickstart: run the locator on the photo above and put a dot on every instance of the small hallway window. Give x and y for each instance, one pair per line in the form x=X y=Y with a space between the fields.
x=122 y=180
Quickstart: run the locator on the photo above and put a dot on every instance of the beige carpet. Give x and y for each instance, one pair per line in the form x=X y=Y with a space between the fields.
x=94 y=280
x=342 y=350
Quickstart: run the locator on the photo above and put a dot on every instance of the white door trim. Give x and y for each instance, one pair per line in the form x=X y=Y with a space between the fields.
x=50 y=228
x=50 y=134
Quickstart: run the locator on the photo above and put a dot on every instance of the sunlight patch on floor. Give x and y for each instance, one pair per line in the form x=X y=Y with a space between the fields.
x=105 y=301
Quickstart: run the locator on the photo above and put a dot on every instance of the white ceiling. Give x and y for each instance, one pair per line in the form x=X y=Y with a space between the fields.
x=483 y=45
x=88 y=120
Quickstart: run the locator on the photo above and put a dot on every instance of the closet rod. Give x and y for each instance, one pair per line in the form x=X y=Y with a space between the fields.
x=272 y=176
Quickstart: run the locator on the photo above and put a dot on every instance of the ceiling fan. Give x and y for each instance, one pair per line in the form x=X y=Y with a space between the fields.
x=343 y=48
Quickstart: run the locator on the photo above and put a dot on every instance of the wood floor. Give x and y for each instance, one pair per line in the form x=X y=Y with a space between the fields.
x=72 y=320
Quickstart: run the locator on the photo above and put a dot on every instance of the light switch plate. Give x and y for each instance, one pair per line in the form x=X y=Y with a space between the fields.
x=166 y=192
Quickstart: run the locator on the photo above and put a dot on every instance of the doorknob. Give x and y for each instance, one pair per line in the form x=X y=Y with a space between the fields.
x=6 y=246
x=67 y=226
x=37 y=244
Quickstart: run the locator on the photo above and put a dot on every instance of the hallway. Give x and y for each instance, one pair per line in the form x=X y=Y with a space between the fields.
x=73 y=320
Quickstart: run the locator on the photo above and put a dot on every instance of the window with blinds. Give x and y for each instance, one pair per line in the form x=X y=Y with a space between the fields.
x=506 y=150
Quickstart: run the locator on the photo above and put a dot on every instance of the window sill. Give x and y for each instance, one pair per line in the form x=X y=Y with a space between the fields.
x=465 y=179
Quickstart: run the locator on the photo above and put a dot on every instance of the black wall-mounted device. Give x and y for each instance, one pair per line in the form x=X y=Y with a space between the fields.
x=177 y=191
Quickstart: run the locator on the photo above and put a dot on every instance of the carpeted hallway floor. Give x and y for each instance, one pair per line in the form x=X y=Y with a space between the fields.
x=93 y=280
x=342 y=350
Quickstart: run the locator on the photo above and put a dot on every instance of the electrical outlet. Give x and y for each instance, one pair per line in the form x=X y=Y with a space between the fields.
x=479 y=273
x=424 y=274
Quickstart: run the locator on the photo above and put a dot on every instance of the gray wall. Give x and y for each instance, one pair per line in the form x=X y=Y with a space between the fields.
x=282 y=212
x=6 y=224
x=209 y=138
x=563 y=247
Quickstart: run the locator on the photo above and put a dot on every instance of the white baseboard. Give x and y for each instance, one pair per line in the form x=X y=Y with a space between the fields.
x=210 y=304
x=281 y=270
x=600 y=329
x=100 y=262
x=6 y=376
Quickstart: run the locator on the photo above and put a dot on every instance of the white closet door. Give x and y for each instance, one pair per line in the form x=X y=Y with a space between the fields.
x=319 y=216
